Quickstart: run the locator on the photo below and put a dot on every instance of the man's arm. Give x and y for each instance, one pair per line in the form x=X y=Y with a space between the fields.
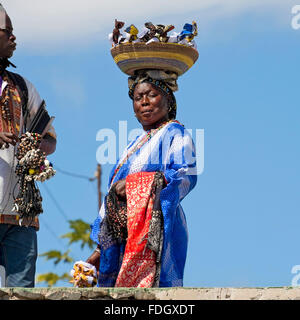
x=48 y=144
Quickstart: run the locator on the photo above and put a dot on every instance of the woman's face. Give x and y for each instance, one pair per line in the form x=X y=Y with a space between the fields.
x=150 y=105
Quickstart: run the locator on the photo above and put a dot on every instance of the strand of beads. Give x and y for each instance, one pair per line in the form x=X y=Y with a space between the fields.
x=32 y=166
x=44 y=172
x=29 y=201
x=28 y=141
x=5 y=109
x=4 y=102
x=5 y=112
x=33 y=158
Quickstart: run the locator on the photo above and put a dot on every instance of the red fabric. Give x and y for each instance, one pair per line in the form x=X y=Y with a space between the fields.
x=138 y=266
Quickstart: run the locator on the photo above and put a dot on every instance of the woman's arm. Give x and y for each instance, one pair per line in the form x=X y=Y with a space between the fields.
x=120 y=187
x=180 y=162
x=94 y=258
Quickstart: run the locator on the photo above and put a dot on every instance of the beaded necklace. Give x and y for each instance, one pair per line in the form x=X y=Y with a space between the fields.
x=146 y=138
x=5 y=108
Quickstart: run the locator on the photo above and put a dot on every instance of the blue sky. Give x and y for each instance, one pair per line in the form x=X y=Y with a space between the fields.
x=243 y=216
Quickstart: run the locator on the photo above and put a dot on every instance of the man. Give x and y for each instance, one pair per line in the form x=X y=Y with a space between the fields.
x=19 y=102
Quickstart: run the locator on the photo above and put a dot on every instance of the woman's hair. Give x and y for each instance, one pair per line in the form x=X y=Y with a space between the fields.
x=170 y=100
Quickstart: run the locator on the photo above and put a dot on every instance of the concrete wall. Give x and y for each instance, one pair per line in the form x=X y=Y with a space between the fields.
x=283 y=293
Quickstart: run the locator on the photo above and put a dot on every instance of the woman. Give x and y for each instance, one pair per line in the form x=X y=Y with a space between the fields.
x=166 y=148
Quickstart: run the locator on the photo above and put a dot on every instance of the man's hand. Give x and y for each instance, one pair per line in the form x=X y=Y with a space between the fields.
x=7 y=138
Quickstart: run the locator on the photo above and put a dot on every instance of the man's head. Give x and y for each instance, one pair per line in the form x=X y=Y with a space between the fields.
x=7 y=38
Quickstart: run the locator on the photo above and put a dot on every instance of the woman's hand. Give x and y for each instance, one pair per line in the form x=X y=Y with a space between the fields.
x=7 y=138
x=94 y=259
x=120 y=187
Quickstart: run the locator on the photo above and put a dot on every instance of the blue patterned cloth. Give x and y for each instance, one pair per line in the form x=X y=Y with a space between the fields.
x=171 y=151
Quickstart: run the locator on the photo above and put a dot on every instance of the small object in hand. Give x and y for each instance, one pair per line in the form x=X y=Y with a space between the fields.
x=84 y=274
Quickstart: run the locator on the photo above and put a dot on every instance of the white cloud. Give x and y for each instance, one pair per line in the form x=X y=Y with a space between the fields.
x=58 y=23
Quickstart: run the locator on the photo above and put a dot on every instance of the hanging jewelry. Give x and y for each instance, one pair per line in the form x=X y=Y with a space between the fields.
x=32 y=166
x=5 y=111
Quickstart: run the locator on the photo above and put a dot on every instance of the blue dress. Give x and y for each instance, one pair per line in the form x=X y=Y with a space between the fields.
x=171 y=151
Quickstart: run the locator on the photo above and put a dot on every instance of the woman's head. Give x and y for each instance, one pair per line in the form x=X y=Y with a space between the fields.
x=163 y=83
x=151 y=105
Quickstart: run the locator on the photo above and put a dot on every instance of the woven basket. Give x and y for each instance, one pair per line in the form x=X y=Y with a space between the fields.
x=156 y=55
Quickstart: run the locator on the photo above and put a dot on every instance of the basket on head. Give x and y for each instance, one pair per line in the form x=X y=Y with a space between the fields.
x=132 y=56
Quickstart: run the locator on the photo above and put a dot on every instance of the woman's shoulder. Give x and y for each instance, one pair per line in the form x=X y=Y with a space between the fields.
x=176 y=132
x=175 y=127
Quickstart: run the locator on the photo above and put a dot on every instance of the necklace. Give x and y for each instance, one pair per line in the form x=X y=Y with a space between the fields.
x=6 y=112
x=150 y=133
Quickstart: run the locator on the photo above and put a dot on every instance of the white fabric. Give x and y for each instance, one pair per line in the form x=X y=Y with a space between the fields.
x=3 y=19
x=86 y=268
x=8 y=180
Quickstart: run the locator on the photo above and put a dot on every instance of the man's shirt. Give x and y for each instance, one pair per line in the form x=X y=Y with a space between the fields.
x=8 y=179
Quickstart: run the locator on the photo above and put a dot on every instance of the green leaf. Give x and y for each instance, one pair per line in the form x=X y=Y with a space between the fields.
x=80 y=233
x=52 y=278
x=57 y=256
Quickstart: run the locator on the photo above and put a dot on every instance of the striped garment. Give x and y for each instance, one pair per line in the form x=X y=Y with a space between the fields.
x=171 y=151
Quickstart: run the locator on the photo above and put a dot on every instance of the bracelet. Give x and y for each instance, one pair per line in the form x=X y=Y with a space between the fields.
x=97 y=250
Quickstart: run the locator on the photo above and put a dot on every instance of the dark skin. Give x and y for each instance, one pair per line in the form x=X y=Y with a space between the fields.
x=7 y=40
x=94 y=259
x=7 y=48
x=151 y=108
x=7 y=138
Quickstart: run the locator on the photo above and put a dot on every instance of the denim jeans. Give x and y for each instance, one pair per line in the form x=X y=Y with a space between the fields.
x=18 y=254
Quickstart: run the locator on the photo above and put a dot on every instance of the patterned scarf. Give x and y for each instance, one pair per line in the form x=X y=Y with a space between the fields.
x=11 y=105
x=139 y=264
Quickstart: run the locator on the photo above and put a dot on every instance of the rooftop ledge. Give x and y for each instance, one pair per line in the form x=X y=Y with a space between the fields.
x=59 y=293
